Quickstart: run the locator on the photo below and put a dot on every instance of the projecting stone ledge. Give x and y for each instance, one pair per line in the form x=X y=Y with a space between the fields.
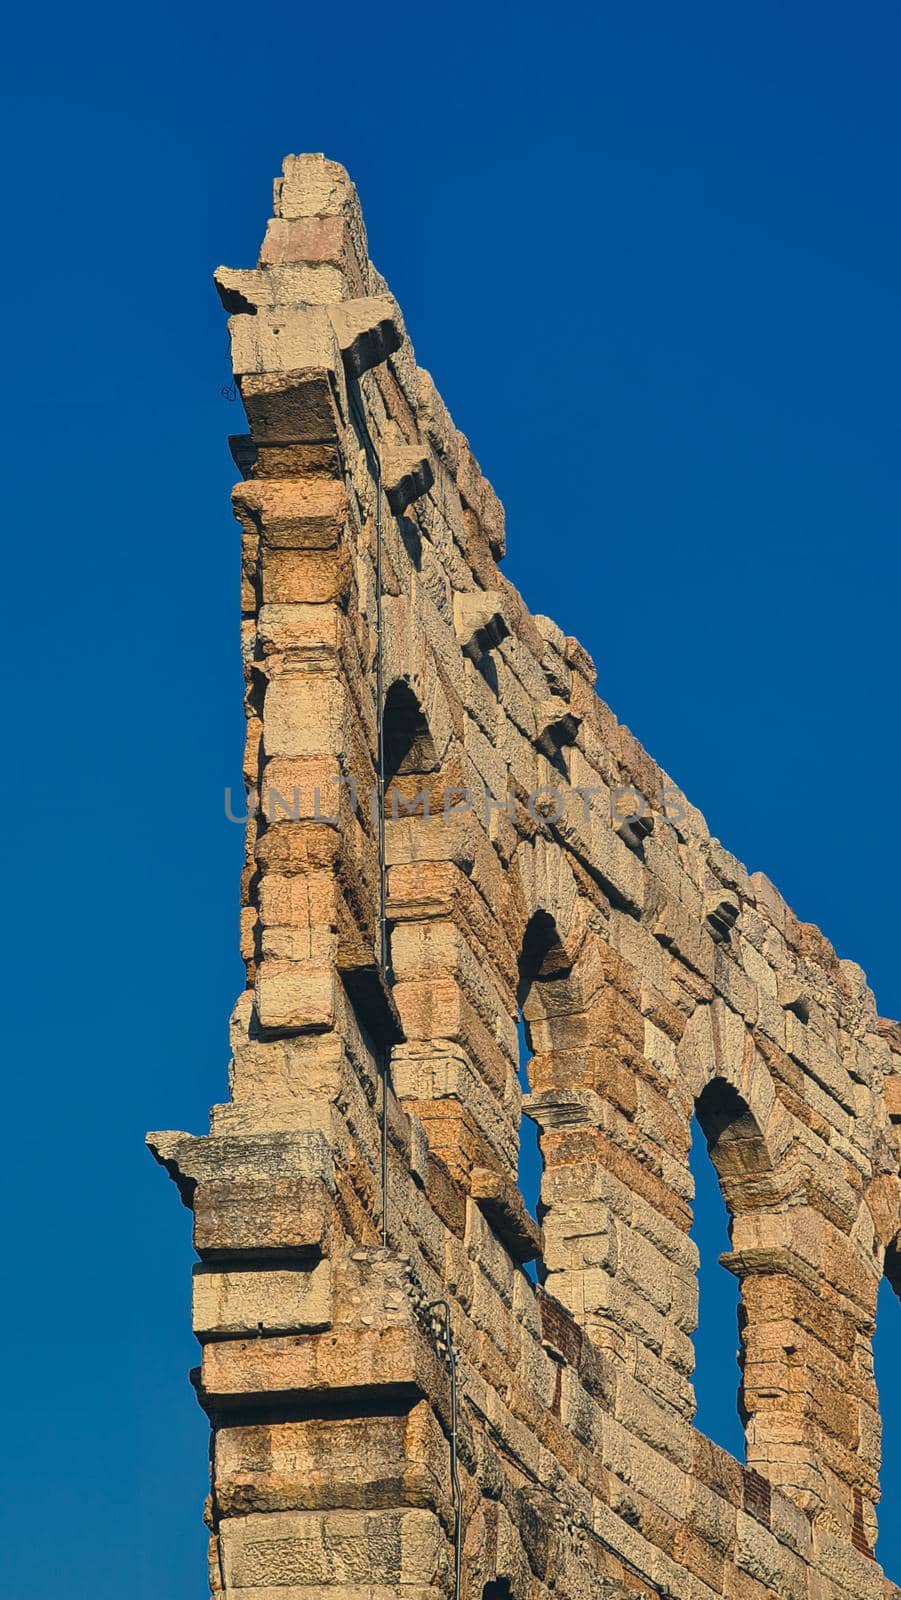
x=558 y=727
x=368 y=331
x=406 y=476
x=190 y=1159
x=263 y=1217
x=293 y=363
x=268 y=337
x=479 y=622
x=245 y=1372
x=501 y=1203
x=269 y=1299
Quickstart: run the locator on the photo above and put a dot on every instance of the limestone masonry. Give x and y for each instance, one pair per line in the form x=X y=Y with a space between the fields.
x=397 y=1409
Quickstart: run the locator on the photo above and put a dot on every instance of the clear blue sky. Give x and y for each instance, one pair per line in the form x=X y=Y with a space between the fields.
x=651 y=255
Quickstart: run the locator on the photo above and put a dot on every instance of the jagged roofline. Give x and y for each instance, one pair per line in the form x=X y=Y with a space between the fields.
x=654 y=975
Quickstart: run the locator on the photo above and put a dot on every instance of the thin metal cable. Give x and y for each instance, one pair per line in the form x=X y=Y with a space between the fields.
x=451 y=1357
x=384 y=953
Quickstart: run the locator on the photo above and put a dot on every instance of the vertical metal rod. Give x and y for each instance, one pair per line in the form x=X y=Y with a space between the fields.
x=444 y=1307
x=384 y=956
x=380 y=721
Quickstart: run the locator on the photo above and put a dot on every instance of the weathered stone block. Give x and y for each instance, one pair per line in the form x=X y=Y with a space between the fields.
x=406 y=476
x=361 y=1463
x=261 y=1217
x=318 y=1550
x=293 y=514
x=479 y=622
x=276 y=1300
x=242 y=1372
x=294 y=995
x=304 y=715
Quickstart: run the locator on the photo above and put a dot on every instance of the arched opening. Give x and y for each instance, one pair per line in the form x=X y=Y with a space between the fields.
x=717 y=1379
x=736 y=1147
x=408 y=744
x=411 y=775
x=733 y=1176
x=497 y=1589
x=886 y=1348
x=543 y=993
x=528 y=1176
x=543 y=959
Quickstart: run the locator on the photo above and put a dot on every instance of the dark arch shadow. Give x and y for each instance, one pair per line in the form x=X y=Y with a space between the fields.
x=543 y=959
x=736 y=1147
x=409 y=746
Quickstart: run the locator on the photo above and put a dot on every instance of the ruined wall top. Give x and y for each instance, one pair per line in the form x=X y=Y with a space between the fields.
x=450 y=829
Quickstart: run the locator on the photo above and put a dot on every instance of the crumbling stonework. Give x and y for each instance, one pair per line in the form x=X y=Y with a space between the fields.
x=558 y=873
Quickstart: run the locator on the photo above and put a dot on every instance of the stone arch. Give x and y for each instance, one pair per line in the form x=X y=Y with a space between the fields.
x=546 y=885
x=454 y=970
x=548 y=994
x=803 y=1356
x=408 y=743
x=729 y=1089
x=717 y=1046
x=417 y=738
x=737 y=1147
x=555 y=975
x=570 y=990
x=715 y=1294
x=545 y=984
x=740 y=1157
x=553 y=967
x=495 y=1564
x=882 y=1203
x=554 y=985
x=406 y=655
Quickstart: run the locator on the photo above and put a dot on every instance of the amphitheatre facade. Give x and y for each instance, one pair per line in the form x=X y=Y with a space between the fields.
x=415 y=1389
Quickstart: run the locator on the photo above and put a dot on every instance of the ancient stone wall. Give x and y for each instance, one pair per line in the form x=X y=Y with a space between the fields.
x=384 y=1379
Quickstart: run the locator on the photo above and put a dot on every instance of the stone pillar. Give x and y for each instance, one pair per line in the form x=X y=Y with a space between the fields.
x=808 y=1391
x=616 y=1216
x=293 y=1298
